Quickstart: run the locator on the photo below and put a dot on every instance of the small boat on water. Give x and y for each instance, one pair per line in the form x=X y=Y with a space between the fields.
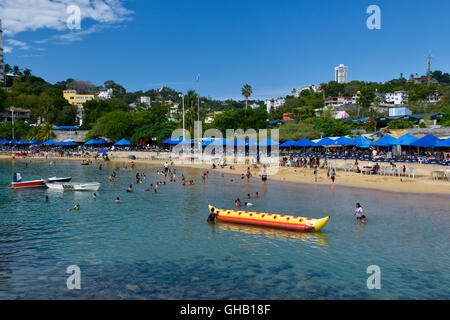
x=74 y=186
x=28 y=184
x=18 y=183
x=269 y=220
x=55 y=179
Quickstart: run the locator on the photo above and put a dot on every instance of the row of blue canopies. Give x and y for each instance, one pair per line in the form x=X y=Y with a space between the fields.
x=428 y=141
x=51 y=142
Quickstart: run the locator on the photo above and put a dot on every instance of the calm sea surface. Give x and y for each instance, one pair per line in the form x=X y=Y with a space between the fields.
x=159 y=246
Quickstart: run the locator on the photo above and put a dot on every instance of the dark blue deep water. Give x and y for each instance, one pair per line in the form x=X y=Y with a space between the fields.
x=159 y=246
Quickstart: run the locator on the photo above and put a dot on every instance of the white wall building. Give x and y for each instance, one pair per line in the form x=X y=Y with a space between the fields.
x=145 y=100
x=273 y=103
x=396 y=98
x=106 y=94
x=311 y=87
x=340 y=73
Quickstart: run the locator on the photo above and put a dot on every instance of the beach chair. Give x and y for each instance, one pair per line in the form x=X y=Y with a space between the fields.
x=412 y=172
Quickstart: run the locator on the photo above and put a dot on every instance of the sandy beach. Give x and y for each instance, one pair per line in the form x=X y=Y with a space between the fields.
x=422 y=183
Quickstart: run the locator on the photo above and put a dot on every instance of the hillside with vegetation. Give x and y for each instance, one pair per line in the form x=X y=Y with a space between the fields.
x=124 y=116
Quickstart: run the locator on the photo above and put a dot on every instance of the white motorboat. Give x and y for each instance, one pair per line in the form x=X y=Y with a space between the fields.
x=74 y=186
x=56 y=179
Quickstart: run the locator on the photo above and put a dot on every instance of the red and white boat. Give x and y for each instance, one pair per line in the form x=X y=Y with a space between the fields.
x=28 y=184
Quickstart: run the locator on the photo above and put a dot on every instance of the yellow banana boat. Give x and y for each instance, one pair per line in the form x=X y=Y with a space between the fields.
x=269 y=220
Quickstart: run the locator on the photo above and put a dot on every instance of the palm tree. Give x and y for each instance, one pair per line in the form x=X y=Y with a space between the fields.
x=16 y=70
x=246 y=92
x=190 y=104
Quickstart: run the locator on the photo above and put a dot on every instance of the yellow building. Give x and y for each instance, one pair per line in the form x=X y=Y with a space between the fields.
x=77 y=99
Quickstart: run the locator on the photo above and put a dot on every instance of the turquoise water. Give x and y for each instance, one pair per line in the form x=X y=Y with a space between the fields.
x=159 y=246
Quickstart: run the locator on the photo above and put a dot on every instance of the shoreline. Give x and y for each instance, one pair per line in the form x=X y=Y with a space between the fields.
x=421 y=184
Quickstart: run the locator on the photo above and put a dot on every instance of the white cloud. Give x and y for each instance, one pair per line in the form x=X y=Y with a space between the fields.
x=19 y=44
x=30 y=15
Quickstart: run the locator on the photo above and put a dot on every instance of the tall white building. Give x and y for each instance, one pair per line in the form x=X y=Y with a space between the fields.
x=340 y=73
x=2 y=68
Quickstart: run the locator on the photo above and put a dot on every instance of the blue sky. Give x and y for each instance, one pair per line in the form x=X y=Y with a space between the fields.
x=272 y=45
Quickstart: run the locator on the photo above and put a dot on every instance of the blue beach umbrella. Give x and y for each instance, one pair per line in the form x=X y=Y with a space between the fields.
x=122 y=142
x=287 y=144
x=361 y=142
x=404 y=140
x=384 y=141
x=428 y=141
x=101 y=141
x=4 y=141
x=49 y=142
x=238 y=142
x=221 y=142
x=324 y=142
x=304 y=142
x=268 y=142
x=251 y=142
x=207 y=142
x=103 y=151
x=343 y=141
x=443 y=143
x=92 y=141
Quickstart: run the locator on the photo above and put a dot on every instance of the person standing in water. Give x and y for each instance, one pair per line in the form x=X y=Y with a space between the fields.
x=316 y=171
x=333 y=175
x=359 y=213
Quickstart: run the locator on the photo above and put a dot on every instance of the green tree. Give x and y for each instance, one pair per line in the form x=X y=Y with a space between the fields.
x=246 y=92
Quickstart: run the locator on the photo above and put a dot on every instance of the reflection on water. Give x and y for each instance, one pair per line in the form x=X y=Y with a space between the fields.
x=312 y=238
x=159 y=246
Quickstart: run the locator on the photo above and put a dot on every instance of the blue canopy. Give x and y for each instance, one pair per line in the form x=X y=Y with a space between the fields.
x=251 y=142
x=221 y=142
x=13 y=141
x=102 y=151
x=404 y=140
x=343 y=141
x=170 y=141
x=20 y=142
x=33 y=141
x=384 y=141
x=207 y=142
x=443 y=143
x=92 y=141
x=268 y=142
x=4 y=141
x=49 y=142
x=239 y=142
x=324 y=142
x=189 y=142
x=361 y=142
x=289 y=143
x=66 y=143
x=122 y=142
x=304 y=142
x=428 y=141
x=101 y=141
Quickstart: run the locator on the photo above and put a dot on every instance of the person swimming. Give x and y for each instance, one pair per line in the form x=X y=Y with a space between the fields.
x=237 y=202
x=249 y=196
x=77 y=207
x=248 y=204
x=46 y=199
x=130 y=188
x=256 y=195
x=117 y=200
